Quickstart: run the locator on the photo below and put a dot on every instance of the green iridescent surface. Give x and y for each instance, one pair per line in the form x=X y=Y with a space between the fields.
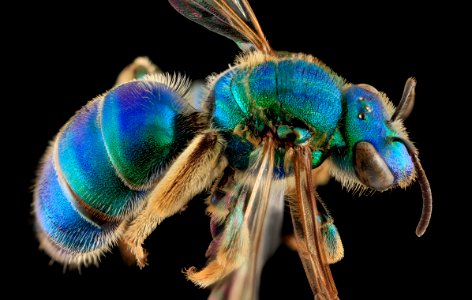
x=262 y=82
x=139 y=129
x=86 y=167
x=317 y=158
x=298 y=98
x=234 y=220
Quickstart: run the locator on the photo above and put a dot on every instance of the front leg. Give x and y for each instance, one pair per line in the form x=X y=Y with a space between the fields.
x=192 y=171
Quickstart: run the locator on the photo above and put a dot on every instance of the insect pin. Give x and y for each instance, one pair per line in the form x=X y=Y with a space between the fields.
x=264 y=132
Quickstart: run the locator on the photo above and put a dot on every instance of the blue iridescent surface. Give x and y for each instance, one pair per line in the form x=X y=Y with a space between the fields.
x=262 y=83
x=138 y=128
x=297 y=88
x=238 y=151
x=60 y=220
x=227 y=112
x=105 y=153
x=309 y=93
x=87 y=168
x=367 y=120
x=275 y=93
x=331 y=236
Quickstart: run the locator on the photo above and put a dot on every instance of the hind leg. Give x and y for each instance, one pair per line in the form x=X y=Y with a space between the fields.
x=193 y=171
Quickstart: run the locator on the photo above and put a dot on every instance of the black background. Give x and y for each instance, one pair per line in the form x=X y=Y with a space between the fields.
x=61 y=60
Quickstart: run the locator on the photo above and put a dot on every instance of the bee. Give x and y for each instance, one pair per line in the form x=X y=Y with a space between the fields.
x=263 y=133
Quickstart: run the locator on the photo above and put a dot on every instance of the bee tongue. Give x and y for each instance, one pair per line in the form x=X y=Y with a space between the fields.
x=371 y=169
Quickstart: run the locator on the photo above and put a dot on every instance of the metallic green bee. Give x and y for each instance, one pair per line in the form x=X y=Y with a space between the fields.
x=265 y=131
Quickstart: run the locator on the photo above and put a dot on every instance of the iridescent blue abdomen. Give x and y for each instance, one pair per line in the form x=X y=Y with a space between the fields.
x=59 y=222
x=274 y=92
x=103 y=163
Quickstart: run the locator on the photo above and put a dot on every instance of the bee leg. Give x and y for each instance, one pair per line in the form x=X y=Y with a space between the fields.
x=192 y=171
x=228 y=250
x=290 y=241
x=320 y=175
x=137 y=69
x=128 y=257
x=331 y=241
x=217 y=208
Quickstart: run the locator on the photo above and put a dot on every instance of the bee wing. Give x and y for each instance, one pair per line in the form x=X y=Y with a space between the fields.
x=263 y=219
x=233 y=19
x=311 y=243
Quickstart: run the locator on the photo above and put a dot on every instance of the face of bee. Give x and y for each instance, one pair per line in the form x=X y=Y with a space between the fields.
x=375 y=155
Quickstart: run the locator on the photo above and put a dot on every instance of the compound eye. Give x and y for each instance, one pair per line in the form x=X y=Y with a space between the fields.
x=371 y=168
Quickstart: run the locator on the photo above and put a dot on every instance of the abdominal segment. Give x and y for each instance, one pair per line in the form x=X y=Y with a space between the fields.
x=102 y=165
x=65 y=234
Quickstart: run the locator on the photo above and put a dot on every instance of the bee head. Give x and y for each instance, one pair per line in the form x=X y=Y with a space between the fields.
x=376 y=154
